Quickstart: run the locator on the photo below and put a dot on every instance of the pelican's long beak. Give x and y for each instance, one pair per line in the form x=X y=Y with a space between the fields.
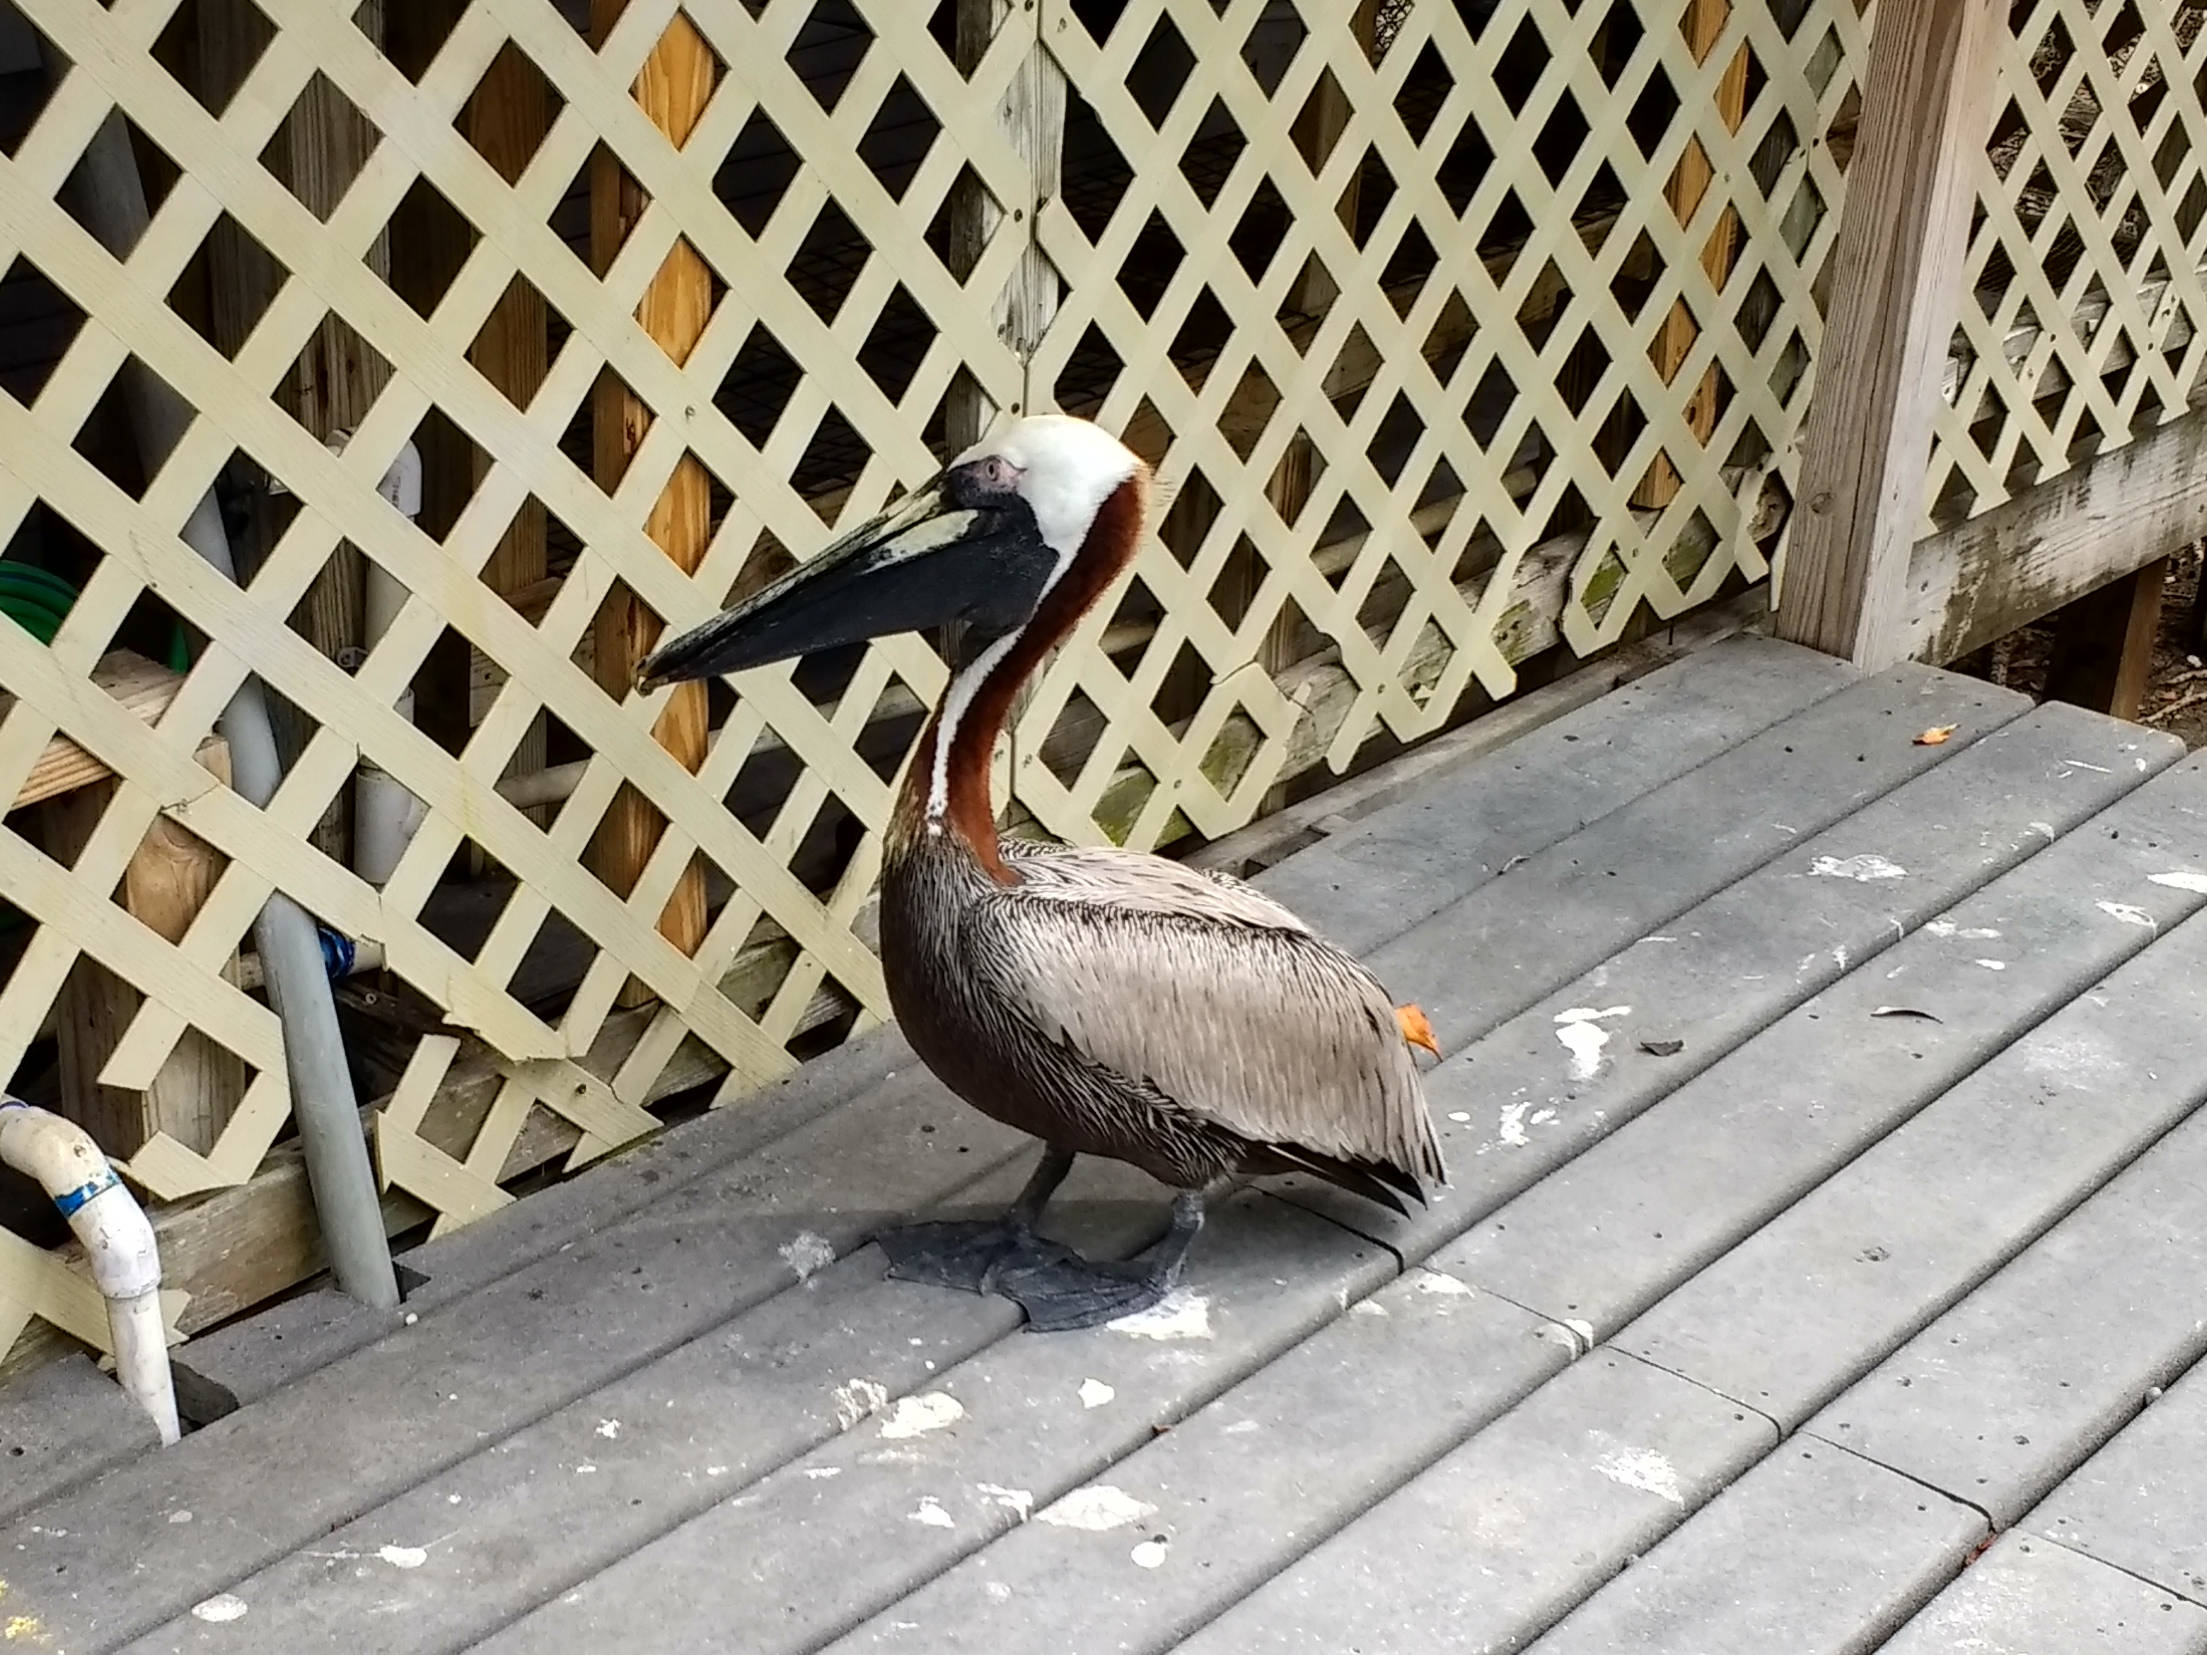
x=923 y=563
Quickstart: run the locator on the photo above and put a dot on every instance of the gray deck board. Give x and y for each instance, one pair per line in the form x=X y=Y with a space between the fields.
x=1308 y=1442
x=1409 y=860
x=1823 y=1291
x=1516 y=1105
x=2137 y=1504
x=895 y=1509
x=1813 y=1552
x=602 y=1307
x=249 y=1359
x=60 y=1425
x=2028 y=1596
x=1566 y=908
x=677 y=1398
x=1611 y=1453
x=1601 y=1239
x=641 y=1454
x=2000 y=1397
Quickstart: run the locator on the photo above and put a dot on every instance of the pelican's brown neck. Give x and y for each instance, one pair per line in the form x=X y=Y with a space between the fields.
x=971 y=715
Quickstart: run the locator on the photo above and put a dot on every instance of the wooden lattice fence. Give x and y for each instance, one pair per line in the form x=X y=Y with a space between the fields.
x=1459 y=335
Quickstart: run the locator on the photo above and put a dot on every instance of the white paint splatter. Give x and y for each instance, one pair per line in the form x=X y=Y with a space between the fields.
x=1584 y=1329
x=1150 y=1554
x=915 y=1416
x=609 y=1429
x=716 y=1471
x=1971 y=933
x=1440 y=1284
x=1095 y=1393
x=1180 y=1314
x=821 y=1473
x=854 y=1401
x=1994 y=965
x=998 y=1591
x=2184 y=879
x=1367 y=1307
x=1865 y=868
x=1513 y=1114
x=180 y=1517
x=220 y=1608
x=403 y=1557
x=1459 y=1116
x=1578 y=1029
x=1096 y=1509
x=2127 y=914
x=930 y=1512
x=1541 y=1117
x=1641 y=1468
x=809 y=1254
x=586 y=1470
x=1242 y=1427
x=2045 y=830
x=1019 y=1501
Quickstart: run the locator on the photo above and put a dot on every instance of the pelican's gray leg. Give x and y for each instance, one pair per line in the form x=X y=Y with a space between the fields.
x=963 y=1253
x=1067 y=1291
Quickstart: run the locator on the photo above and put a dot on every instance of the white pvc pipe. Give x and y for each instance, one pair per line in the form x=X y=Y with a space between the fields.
x=118 y=1239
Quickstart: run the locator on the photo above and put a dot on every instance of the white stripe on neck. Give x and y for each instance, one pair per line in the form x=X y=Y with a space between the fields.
x=958 y=699
x=957 y=702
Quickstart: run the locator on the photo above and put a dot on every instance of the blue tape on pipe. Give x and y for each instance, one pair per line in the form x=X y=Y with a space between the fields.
x=337 y=952
x=69 y=1201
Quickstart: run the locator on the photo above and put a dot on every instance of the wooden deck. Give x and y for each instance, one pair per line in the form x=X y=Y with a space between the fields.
x=1821 y=1112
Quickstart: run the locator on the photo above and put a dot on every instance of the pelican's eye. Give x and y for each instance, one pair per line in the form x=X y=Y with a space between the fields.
x=996 y=472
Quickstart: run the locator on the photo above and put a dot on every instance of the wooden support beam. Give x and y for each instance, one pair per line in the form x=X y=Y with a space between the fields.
x=673 y=88
x=1690 y=181
x=1898 y=287
x=172 y=874
x=142 y=686
x=2045 y=548
x=2103 y=644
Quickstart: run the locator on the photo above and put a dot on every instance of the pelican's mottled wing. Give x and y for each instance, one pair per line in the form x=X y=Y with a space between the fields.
x=1213 y=994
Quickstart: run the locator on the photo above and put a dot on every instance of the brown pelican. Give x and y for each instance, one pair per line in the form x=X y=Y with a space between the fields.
x=1109 y=1003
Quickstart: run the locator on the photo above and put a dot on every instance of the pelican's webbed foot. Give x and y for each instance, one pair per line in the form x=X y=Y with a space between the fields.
x=968 y=1253
x=964 y=1253
x=1073 y=1292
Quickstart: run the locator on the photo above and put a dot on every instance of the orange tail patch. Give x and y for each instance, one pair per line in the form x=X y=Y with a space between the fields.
x=1416 y=1029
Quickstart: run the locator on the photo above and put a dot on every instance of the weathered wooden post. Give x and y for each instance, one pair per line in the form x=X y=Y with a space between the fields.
x=1898 y=268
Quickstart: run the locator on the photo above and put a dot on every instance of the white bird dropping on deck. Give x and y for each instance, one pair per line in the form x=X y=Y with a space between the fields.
x=1579 y=1028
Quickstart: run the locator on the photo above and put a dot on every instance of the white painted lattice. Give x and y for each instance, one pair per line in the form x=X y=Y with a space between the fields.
x=2083 y=327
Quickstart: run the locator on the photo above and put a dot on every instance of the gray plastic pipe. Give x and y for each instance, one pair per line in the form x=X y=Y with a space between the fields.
x=118 y=1240
x=323 y=1100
